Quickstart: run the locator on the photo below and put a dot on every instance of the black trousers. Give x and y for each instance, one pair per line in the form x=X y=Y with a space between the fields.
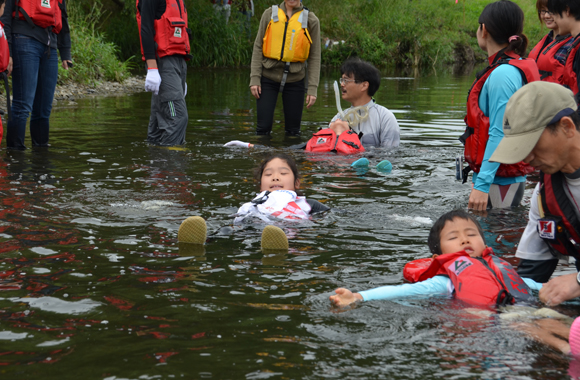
x=292 y=99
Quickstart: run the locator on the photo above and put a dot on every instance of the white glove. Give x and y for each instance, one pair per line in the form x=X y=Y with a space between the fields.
x=152 y=81
x=238 y=143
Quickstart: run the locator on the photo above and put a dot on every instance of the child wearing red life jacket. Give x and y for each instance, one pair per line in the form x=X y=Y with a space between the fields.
x=278 y=181
x=463 y=266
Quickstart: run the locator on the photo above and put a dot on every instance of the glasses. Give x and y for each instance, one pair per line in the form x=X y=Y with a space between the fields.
x=345 y=81
x=545 y=13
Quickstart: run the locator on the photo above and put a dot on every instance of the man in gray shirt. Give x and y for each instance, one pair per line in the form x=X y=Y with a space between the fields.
x=375 y=124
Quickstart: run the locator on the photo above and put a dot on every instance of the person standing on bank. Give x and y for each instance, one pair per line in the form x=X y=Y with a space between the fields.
x=286 y=59
x=500 y=34
x=165 y=47
x=34 y=31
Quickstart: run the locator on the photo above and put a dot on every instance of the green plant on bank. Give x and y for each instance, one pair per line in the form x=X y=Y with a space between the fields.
x=94 y=58
x=420 y=33
x=408 y=33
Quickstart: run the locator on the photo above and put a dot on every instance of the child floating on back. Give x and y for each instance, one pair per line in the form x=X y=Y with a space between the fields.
x=463 y=266
x=278 y=181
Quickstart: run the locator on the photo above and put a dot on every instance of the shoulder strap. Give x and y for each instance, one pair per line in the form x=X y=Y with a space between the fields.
x=316 y=206
x=275 y=13
x=304 y=18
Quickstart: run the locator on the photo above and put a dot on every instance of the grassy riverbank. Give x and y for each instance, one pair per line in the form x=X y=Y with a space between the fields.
x=388 y=33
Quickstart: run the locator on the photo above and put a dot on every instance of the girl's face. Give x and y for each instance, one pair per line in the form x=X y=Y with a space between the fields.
x=277 y=175
x=548 y=18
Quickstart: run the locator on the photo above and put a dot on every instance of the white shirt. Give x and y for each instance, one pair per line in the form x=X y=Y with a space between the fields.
x=531 y=246
x=380 y=129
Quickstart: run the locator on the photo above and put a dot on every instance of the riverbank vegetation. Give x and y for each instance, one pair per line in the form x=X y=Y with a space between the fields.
x=388 y=33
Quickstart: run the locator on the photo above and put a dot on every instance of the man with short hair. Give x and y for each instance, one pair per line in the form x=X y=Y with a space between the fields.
x=542 y=128
x=375 y=124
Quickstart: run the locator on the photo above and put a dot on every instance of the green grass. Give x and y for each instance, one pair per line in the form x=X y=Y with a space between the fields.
x=94 y=58
x=388 y=33
x=408 y=33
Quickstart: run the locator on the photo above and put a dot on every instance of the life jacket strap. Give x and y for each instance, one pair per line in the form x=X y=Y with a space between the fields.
x=284 y=76
x=262 y=199
x=275 y=13
x=303 y=18
x=544 y=74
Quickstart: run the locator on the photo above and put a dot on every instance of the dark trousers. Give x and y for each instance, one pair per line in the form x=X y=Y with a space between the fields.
x=33 y=83
x=168 y=120
x=292 y=99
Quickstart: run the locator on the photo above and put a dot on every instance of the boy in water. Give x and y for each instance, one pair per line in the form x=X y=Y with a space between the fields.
x=457 y=242
x=465 y=267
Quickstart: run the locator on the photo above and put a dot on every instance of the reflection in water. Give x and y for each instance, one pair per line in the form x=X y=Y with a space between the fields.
x=92 y=279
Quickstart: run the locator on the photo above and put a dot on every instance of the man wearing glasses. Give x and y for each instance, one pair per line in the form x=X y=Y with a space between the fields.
x=375 y=124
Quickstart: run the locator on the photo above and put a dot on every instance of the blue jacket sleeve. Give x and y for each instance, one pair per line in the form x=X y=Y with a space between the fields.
x=532 y=284
x=438 y=285
x=497 y=90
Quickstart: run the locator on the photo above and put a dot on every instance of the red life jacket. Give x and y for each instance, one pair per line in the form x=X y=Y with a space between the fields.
x=551 y=70
x=569 y=78
x=4 y=51
x=171 y=32
x=326 y=140
x=42 y=13
x=485 y=280
x=477 y=130
x=559 y=225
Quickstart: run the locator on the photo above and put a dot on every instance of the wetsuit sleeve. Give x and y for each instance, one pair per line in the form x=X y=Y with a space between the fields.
x=150 y=11
x=389 y=131
x=314 y=56
x=316 y=206
x=256 y=64
x=497 y=90
x=6 y=19
x=438 y=285
x=63 y=38
x=532 y=284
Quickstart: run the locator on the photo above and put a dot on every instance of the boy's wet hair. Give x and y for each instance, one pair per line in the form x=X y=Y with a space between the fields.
x=434 y=239
x=284 y=157
x=362 y=71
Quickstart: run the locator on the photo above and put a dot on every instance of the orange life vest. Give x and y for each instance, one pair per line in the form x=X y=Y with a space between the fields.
x=171 y=33
x=42 y=13
x=477 y=130
x=485 y=280
x=551 y=70
x=326 y=140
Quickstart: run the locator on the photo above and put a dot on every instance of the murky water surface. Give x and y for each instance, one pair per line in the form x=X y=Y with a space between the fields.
x=94 y=285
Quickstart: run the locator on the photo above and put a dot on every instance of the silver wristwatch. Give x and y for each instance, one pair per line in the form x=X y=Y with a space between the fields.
x=578 y=278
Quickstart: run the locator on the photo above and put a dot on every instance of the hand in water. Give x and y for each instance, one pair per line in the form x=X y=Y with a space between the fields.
x=344 y=297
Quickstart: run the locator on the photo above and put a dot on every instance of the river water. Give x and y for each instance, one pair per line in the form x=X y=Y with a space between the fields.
x=94 y=285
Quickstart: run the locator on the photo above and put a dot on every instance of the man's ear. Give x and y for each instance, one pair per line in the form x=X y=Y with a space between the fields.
x=364 y=87
x=568 y=126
